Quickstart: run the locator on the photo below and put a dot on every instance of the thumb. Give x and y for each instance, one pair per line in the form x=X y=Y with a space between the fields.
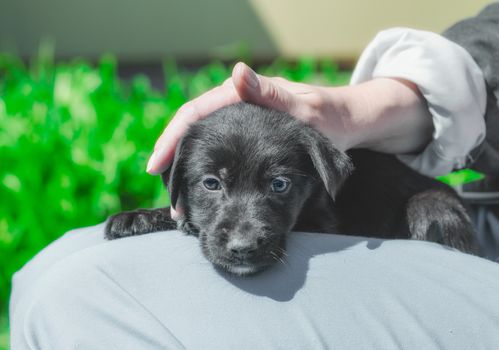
x=260 y=90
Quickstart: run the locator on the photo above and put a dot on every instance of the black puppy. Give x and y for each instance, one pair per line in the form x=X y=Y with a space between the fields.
x=247 y=175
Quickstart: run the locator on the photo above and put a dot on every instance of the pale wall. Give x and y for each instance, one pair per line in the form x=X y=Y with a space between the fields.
x=143 y=30
x=343 y=28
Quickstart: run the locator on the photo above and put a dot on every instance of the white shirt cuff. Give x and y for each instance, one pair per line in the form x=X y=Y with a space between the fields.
x=450 y=81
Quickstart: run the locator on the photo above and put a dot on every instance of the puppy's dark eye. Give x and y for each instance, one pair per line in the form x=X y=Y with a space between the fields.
x=211 y=184
x=279 y=184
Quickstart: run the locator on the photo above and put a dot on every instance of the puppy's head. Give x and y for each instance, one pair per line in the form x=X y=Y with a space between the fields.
x=243 y=175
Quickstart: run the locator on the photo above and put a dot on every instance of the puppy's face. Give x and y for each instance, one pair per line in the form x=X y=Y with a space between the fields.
x=243 y=206
x=243 y=175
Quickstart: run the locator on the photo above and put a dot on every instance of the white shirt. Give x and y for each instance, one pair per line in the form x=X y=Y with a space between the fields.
x=450 y=81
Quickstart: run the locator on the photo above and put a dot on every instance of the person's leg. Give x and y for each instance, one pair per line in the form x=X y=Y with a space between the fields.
x=71 y=242
x=47 y=290
x=157 y=291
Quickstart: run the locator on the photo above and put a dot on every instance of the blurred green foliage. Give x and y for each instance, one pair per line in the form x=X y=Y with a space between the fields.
x=461 y=177
x=4 y=332
x=75 y=139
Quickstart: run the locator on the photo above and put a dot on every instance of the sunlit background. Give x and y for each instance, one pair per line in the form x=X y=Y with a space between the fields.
x=87 y=86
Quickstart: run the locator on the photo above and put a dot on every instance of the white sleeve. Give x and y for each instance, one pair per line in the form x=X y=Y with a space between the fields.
x=450 y=81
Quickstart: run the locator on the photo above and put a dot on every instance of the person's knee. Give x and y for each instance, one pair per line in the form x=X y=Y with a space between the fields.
x=81 y=300
x=53 y=301
x=70 y=243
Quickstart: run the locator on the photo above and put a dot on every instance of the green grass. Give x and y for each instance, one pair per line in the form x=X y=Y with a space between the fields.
x=74 y=142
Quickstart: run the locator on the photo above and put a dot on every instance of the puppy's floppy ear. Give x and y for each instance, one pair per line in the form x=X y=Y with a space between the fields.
x=173 y=177
x=332 y=165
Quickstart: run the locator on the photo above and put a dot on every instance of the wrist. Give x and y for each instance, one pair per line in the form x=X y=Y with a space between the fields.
x=387 y=115
x=333 y=116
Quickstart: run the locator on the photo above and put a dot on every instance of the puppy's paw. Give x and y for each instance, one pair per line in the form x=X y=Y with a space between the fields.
x=138 y=222
x=125 y=224
x=439 y=216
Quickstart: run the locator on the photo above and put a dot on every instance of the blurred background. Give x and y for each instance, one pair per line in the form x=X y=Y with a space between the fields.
x=87 y=86
x=195 y=30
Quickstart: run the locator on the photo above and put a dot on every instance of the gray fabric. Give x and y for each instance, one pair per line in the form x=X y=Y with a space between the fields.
x=158 y=292
x=486 y=221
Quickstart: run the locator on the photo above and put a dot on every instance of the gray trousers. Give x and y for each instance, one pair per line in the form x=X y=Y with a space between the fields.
x=157 y=291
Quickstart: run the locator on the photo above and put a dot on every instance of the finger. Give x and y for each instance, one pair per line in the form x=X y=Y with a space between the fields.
x=189 y=113
x=164 y=149
x=228 y=81
x=261 y=90
x=177 y=213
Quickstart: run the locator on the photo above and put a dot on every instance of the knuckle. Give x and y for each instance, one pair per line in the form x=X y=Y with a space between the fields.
x=315 y=101
x=273 y=94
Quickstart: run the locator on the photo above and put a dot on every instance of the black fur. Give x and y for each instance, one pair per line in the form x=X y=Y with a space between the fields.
x=242 y=227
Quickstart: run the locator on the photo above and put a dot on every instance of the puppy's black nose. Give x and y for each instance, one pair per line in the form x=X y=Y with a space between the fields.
x=241 y=248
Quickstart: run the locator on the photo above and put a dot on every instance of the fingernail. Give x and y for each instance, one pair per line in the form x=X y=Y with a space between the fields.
x=252 y=78
x=173 y=213
x=177 y=214
x=151 y=162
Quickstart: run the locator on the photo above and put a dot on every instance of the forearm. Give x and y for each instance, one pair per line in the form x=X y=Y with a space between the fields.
x=387 y=115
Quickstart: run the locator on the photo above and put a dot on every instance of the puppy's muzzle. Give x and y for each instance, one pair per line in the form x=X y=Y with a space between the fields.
x=243 y=240
x=241 y=248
